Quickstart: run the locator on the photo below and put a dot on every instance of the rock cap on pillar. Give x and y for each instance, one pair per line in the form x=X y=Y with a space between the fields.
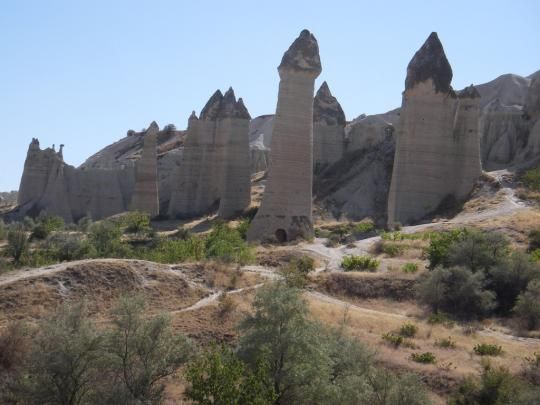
x=430 y=62
x=211 y=110
x=302 y=55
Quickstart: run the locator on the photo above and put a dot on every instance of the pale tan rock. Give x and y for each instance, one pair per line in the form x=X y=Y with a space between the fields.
x=437 y=152
x=145 y=194
x=286 y=209
x=328 y=129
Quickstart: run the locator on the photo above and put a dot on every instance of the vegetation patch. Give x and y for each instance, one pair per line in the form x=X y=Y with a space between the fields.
x=486 y=349
x=359 y=263
x=424 y=358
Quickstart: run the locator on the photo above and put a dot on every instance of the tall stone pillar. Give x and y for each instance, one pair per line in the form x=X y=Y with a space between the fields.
x=328 y=129
x=145 y=194
x=285 y=211
x=437 y=158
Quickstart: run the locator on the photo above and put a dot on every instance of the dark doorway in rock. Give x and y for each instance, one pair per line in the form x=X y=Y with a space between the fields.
x=281 y=235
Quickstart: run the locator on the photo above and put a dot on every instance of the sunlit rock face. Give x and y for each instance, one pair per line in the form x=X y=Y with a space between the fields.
x=214 y=171
x=437 y=156
x=328 y=129
x=286 y=209
x=51 y=186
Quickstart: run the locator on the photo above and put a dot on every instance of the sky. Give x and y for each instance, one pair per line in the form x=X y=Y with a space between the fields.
x=83 y=72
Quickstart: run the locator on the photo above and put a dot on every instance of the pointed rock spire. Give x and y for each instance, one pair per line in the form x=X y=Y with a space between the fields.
x=228 y=104
x=430 y=62
x=240 y=110
x=326 y=108
x=211 y=110
x=302 y=55
x=193 y=116
x=152 y=128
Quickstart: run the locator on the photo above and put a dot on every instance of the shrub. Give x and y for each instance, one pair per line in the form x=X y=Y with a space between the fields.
x=531 y=179
x=14 y=346
x=535 y=256
x=17 y=246
x=457 y=291
x=219 y=377
x=136 y=222
x=392 y=249
x=106 y=238
x=527 y=306
x=182 y=233
x=531 y=369
x=226 y=244
x=437 y=251
x=359 y=263
x=226 y=304
x=477 y=250
x=446 y=343
x=3 y=232
x=45 y=225
x=486 y=349
x=364 y=227
x=425 y=358
x=408 y=330
x=68 y=246
x=392 y=339
x=495 y=386
x=410 y=268
x=243 y=227
x=84 y=224
x=304 y=264
x=534 y=240
x=176 y=251
x=141 y=353
x=440 y=318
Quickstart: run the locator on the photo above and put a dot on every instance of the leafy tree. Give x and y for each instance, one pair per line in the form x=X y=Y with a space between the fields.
x=477 y=250
x=64 y=246
x=136 y=222
x=440 y=243
x=219 y=377
x=528 y=305
x=62 y=365
x=456 y=291
x=3 y=232
x=46 y=224
x=141 y=353
x=106 y=237
x=510 y=277
x=226 y=244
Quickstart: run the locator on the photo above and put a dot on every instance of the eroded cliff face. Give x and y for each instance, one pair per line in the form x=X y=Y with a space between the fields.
x=50 y=185
x=214 y=171
x=437 y=148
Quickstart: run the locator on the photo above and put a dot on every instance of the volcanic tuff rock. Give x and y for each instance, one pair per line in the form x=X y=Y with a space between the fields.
x=328 y=129
x=145 y=195
x=286 y=209
x=215 y=165
x=437 y=154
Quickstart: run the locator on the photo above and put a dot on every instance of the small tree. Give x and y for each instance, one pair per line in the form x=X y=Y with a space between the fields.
x=142 y=352
x=457 y=291
x=219 y=377
x=106 y=237
x=62 y=365
x=528 y=305
x=17 y=243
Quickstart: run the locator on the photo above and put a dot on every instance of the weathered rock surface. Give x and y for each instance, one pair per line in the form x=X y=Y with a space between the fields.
x=328 y=129
x=260 y=135
x=215 y=164
x=50 y=185
x=145 y=194
x=286 y=209
x=437 y=155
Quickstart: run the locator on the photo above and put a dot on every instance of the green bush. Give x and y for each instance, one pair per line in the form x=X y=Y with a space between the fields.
x=392 y=339
x=243 y=227
x=486 y=349
x=410 y=268
x=534 y=240
x=3 y=232
x=456 y=291
x=182 y=233
x=46 y=224
x=440 y=318
x=177 y=251
x=304 y=264
x=535 y=256
x=18 y=244
x=446 y=343
x=527 y=307
x=478 y=250
x=364 y=227
x=408 y=330
x=106 y=238
x=440 y=243
x=226 y=244
x=136 y=222
x=63 y=246
x=531 y=179
x=425 y=358
x=359 y=263
x=392 y=249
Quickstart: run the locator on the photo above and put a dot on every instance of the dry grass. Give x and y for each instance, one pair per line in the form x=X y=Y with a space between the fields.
x=516 y=226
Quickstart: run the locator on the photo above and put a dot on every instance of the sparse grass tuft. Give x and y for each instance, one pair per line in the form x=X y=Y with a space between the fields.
x=408 y=330
x=486 y=349
x=424 y=358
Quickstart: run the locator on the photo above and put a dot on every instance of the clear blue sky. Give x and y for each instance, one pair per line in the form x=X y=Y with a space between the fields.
x=84 y=72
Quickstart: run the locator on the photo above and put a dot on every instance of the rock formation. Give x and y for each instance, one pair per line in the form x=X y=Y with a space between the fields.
x=328 y=129
x=437 y=157
x=215 y=165
x=145 y=195
x=286 y=209
x=50 y=185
